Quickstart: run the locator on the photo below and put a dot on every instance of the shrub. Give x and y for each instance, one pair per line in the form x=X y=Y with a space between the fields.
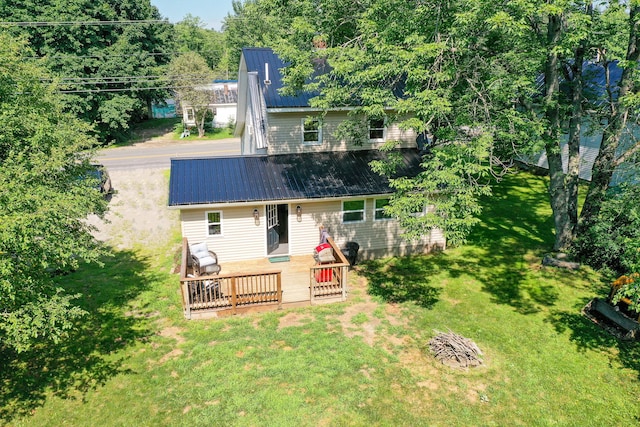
x=612 y=240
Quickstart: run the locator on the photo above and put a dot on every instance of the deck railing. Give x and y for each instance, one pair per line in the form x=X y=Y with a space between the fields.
x=330 y=280
x=227 y=291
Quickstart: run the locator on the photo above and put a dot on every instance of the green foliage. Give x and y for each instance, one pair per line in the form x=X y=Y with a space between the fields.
x=192 y=36
x=362 y=362
x=612 y=240
x=190 y=74
x=86 y=58
x=45 y=194
x=628 y=287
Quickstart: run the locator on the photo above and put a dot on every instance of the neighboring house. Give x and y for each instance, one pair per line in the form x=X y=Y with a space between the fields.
x=223 y=106
x=292 y=178
x=590 y=140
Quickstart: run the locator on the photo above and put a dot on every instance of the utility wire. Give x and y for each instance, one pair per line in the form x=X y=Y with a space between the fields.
x=80 y=23
x=122 y=89
x=103 y=56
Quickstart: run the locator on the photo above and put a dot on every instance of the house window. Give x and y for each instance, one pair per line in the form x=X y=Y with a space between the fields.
x=190 y=115
x=379 y=213
x=376 y=130
x=214 y=223
x=353 y=211
x=311 y=131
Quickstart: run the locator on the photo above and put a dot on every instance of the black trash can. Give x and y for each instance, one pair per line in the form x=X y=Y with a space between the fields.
x=350 y=251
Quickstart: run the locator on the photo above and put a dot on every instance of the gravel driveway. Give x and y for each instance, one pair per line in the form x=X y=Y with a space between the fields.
x=138 y=213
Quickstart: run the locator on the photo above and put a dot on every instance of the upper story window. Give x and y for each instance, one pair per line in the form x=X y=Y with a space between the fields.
x=311 y=131
x=379 y=213
x=214 y=223
x=353 y=211
x=376 y=130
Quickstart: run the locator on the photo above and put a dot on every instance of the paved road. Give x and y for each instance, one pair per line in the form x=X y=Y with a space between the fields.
x=157 y=155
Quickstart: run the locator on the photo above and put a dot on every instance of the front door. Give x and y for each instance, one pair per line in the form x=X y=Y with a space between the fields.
x=277 y=229
x=273 y=238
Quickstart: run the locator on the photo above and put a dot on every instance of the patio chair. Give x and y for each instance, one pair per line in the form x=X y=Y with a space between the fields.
x=204 y=261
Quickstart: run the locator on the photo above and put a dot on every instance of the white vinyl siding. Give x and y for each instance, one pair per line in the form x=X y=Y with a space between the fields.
x=285 y=134
x=244 y=240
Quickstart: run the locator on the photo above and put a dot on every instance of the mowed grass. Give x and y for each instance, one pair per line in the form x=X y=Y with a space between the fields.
x=135 y=361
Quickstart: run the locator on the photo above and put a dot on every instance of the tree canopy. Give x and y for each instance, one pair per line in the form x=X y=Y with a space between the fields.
x=46 y=193
x=486 y=83
x=108 y=71
x=190 y=76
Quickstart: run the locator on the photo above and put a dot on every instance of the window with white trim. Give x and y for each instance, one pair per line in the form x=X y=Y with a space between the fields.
x=379 y=213
x=190 y=114
x=376 y=130
x=353 y=211
x=311 y=131
x=214 y=223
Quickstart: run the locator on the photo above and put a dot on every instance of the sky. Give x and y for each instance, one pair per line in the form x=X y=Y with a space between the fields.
x=212 y=12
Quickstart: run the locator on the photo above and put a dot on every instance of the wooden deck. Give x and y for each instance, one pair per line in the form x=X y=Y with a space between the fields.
x=259 y=285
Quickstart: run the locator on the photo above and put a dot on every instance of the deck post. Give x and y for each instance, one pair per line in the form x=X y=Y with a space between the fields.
x=234 y=295
x=279 y=290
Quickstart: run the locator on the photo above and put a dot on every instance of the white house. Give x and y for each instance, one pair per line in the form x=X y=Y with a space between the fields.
x=293 y=176
x=223 y=106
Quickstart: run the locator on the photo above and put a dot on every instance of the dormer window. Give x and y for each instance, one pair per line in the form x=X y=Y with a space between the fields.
x=376 y=130
x=311 y=131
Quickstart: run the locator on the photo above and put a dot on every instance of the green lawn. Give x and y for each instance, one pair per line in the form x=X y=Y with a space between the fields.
x=154 y=128
x=136 y=362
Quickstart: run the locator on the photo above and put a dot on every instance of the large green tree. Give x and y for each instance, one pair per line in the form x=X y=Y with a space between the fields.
x=191 y=78
x=108 y=70
x=487 y=83
x=192 y=36
x=46 y=194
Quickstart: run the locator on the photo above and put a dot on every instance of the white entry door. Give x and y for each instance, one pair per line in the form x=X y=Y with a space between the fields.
x=273 y=237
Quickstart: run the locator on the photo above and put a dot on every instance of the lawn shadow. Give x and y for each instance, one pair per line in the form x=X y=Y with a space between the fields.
x=402 y=279
x=586 y=335
x=85 y=359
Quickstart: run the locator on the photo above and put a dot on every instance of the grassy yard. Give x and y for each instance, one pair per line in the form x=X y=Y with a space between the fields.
x=169 y=128
x=135 y=361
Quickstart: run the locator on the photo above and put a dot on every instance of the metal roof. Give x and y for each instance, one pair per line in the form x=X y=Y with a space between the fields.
x=280 y=177
x=256 y=59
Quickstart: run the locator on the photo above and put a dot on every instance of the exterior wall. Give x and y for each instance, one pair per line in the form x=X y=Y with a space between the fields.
x=285 y=134
x=224 y=115
x=242 y=239
x=589 y=148
x=377 y=238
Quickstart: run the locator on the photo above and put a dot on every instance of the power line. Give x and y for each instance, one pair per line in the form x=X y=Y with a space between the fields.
x=102 y=56
x=81 y=23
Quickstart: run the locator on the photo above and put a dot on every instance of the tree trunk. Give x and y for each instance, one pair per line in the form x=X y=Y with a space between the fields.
x=558 y=194
x=201 y=124
x=573 y=145
x=605 y=162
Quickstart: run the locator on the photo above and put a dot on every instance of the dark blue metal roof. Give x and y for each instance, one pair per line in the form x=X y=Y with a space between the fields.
x=256 y=58
x=595 y=78
x=280 y=177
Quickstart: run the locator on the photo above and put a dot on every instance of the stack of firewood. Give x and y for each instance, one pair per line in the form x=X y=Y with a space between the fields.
x=455 y=350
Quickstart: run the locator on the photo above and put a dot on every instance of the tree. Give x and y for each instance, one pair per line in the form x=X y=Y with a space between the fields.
x=190 y=76
x=44 y=200
x=192 y=36
x=467 y=75
x=108 y=71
